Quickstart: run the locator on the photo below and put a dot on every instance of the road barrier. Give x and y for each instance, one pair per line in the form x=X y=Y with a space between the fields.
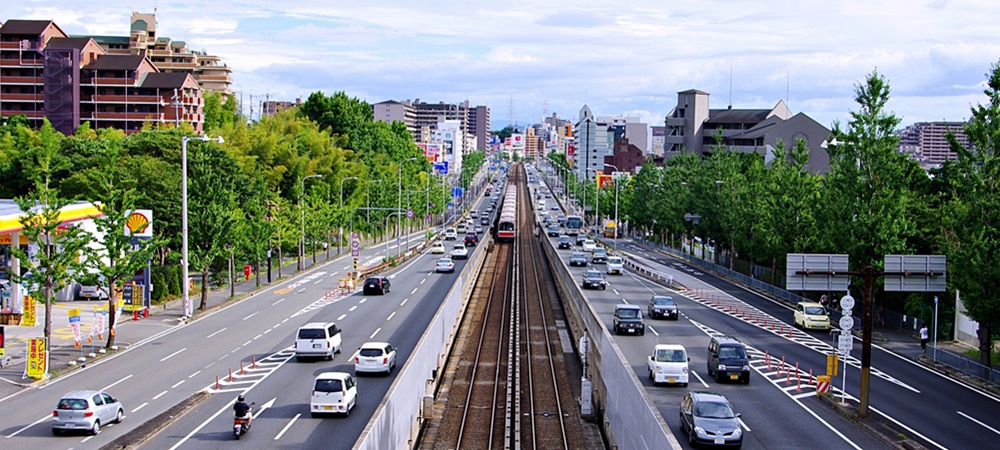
x=822 y=385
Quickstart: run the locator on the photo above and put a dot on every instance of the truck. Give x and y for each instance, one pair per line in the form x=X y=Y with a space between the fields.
x=609 y=229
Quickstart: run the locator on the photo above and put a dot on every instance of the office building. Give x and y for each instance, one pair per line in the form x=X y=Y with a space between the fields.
x=926 y=142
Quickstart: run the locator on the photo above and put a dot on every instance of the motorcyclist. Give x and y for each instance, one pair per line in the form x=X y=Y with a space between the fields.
x=242 y=410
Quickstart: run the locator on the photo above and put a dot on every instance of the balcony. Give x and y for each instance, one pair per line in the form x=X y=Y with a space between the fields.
x=9 y=80
x=39 y=97
x=119 y=99
x=132 y=116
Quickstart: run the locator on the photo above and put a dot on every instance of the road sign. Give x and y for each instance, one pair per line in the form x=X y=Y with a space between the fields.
x=847 y=302
x=355 y=244
x=409 y=214
x=923 y=273
x=355 y=252
x=826 y=267
x=355 y=236
x=845 y=343
x=846 y=321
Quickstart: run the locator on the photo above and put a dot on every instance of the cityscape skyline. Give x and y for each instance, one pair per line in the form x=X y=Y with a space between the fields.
x=526 y=63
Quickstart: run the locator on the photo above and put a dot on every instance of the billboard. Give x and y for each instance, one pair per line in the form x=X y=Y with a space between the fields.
x=517 y=140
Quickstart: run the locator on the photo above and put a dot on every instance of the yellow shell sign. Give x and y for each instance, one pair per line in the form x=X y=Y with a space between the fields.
x=140 y=223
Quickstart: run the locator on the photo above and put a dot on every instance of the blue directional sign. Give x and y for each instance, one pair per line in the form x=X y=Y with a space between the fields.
x=456 y=192
x=441 y=168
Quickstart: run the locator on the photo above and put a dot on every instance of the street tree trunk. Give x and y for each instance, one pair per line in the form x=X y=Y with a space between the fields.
x=985 y=344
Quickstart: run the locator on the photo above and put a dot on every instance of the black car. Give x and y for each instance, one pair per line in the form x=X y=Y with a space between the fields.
x=554 y=230
x=728 y=359
x=708 y=418
x=471 y=239
x=376 y=285
x=578 y=259
x=594 y=280
x=628 y=319
x=564 y=242
x=600 y=256
x=661 y=306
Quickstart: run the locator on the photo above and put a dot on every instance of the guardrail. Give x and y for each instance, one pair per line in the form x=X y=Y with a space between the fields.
x=399 y=417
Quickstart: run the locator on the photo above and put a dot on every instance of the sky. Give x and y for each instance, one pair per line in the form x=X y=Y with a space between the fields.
x=529 y=59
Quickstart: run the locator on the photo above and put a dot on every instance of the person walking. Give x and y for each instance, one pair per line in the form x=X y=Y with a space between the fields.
x=923 y=339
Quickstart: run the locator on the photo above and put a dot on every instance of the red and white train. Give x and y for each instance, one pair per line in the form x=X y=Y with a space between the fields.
x=507 y=224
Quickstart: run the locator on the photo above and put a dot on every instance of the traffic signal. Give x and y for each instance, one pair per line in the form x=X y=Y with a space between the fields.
x=1 y=338
x=355 y=263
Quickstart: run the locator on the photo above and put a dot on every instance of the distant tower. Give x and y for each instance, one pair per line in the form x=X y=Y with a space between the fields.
x=545 y=110
x=511 y=112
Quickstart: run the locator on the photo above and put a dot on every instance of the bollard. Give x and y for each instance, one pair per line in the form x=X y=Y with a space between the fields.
x=241 y=368
x=145 y=312
x=798 y=379
x=230 y=375
x=789 y=332
x=772 y=324
x=135 y=315
x=253 y=364
x=767 y=359
x=782 y=365
x=788 y=375
x=216 y=382
x=811 y=379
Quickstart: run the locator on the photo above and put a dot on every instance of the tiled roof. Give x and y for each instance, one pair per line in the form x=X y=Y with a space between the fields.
x=737 y=115
x=29 y=27
x=116 y=62
x=164 y=80
x=72 y=42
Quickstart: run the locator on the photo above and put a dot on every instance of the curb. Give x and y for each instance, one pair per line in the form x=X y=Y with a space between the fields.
x=886 y=432
x=152 y=427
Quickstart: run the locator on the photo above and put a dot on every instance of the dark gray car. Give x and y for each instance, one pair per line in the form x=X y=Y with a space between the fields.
x=661 y=306
x=708 y=418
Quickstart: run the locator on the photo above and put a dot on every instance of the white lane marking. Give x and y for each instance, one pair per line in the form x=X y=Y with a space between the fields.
x=404 y=301
x=625 y=300
x=47 y=417
x=300 y=291
x=161 y=394
x=177 y=384
x=87 y=439
x=911 y=430
x=390 y=316
x=193 y=374
x=258 y=336
x=654 y=331
x=363 y=300
x=140 y=407
x=376 y=332
x=116 y=383
x=414 y=291
x=279 y=301
x=245 y=344
x=702 y=381
x=341 y=317
x=283 y=430
x=217 y=332
x=743 y=424
x=976 y=421
x=615 y=291
x=318 y=281
x=251 y=315
x=352 y=308
x=346 y=267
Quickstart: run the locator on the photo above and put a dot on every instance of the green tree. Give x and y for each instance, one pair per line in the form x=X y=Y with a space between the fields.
x=971 y=219
x=219 y=109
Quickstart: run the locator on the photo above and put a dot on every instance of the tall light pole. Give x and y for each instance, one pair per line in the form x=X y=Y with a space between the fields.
x=387 y=234
x=368 y=199
x=399 y=204
x=340 y=228
x=188 y=307
x=302 y=208
x=616 y=201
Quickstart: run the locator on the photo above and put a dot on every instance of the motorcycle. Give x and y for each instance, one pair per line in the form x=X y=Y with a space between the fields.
x=242 y=424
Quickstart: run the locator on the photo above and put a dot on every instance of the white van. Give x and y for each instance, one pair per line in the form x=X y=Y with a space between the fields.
x=318 y=339
x=669 y=364
x=450 y=234
x=333 y=393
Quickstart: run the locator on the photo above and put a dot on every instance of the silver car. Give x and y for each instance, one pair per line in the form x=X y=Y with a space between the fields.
x=86 y=411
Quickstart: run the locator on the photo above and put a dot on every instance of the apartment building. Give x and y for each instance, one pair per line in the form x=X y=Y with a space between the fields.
x=693 y=127
x=656 y=144
x=423 y=119
x=926 y=142
x=479 y=125
x=272 y=107
x=169 y=56
x=392 y=111
x=593 y=141
x=46 y=74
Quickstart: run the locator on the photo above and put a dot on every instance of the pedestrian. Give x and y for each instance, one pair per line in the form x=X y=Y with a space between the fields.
x=923 y=339
x=880 y=316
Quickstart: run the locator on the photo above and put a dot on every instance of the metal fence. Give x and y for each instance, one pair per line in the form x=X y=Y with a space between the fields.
x=883 y=318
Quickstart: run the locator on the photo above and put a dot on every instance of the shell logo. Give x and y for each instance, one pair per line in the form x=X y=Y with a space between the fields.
x=137 y=223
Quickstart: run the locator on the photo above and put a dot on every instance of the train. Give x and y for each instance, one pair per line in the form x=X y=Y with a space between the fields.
x=507 y=223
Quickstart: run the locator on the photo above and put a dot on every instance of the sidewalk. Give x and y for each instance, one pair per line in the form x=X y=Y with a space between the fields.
x=63 y=351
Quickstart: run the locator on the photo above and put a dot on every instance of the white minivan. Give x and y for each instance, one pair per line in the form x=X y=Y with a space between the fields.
x=669 y=364
x=333 y=393
x=318 y=339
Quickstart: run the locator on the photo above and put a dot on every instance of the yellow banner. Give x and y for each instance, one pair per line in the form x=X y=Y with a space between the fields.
x=28 y=319
x=37 y=358
x=5 y=239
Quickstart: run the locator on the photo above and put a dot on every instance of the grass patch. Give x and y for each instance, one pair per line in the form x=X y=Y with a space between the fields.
x=974 y=353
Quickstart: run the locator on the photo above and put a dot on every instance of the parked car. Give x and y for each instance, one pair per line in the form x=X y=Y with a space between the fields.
x=444 y=265
x=594 y=280
x=810 y=315
x=318 y=339
x=459 y=252
x=86 y=410
x=377 y=357
x=708 y=418
x=333 y=393
x=728 y=359
x=589 y=245
x=578 y=259
x=661 y=306
x=376 y=285
x=669 y=364
x=450 y=234
x=437 y=248
x=615 y=265
x=564 y=242
x=628 y=319
x=599 y=256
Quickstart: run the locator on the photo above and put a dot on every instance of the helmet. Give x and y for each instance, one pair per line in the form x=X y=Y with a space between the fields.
x=240 y=398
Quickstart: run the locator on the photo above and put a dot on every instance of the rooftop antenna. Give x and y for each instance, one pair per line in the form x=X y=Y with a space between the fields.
x=788 y=83
x=511 y=115
x=730 y=85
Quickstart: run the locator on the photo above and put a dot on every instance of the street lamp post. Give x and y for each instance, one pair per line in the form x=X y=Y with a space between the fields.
x=188 y=307
x=616 y=202
x=399 y=200
x=340 y=228
x=302 y=195
x=387 y=233
x=368 y=199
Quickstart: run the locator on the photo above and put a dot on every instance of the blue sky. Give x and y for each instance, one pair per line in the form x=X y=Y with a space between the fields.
x=620 y=58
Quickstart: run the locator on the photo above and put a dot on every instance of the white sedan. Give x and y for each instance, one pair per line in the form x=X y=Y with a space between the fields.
x=589 y=245
x=459 y=252
x=437 y=248
x=377 y=357
x=444 y=265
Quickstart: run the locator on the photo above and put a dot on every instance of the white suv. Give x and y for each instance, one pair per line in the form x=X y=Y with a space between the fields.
x=333 y=393
x=615 y=265
x=318 y=339
x=450 y=234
